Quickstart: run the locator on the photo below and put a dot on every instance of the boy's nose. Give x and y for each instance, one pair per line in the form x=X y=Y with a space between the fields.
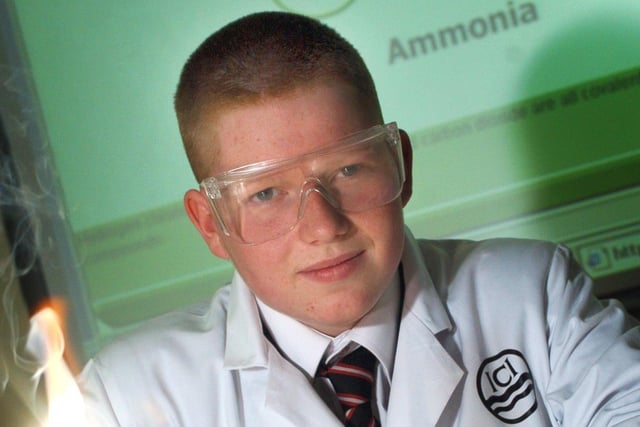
x=319 y=215
x=314 y=185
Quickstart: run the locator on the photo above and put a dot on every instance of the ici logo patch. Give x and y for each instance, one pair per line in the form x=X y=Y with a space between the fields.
x=505 y=386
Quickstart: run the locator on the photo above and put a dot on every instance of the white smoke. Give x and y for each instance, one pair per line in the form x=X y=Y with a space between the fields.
x=22 y=397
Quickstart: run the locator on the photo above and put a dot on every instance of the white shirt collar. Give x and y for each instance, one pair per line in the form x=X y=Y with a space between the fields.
x=306 y=347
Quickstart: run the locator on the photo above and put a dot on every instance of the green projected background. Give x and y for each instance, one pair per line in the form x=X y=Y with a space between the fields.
x=524 y=118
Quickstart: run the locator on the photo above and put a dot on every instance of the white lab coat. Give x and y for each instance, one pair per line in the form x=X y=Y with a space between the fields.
x=476 y=318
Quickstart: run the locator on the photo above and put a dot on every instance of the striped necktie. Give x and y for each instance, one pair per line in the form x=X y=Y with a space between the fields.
x=352 y=378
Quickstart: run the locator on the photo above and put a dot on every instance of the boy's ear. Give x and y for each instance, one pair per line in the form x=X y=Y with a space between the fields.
x=201 y=215
x=407 y=157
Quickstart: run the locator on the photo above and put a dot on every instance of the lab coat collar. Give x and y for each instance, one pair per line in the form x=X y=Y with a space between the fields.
x=421 y=298
x=425 y=377
x=246 y=344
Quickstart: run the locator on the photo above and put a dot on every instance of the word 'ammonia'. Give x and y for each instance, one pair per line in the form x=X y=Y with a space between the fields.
x=453 y=35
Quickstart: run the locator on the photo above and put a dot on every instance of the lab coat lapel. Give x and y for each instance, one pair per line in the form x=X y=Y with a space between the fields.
x=425 y=376
x=290 y=394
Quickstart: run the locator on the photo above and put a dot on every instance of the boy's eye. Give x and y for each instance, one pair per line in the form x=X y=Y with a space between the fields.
x=349 y=170
x=264 y=195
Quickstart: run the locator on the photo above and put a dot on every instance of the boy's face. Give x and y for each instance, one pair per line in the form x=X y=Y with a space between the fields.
x=332 y=268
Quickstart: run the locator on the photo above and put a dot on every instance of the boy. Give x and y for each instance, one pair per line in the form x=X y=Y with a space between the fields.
x=302 y=188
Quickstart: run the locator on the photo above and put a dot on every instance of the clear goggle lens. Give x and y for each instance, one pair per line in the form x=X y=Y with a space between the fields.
x=262 y=201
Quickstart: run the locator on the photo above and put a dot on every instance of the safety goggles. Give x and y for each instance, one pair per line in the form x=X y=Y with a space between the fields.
x=262 y=201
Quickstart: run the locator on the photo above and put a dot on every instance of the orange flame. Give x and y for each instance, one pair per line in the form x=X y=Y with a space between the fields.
x=46 y=342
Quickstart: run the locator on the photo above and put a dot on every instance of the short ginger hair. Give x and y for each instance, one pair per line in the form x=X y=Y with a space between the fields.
x=261 y=55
